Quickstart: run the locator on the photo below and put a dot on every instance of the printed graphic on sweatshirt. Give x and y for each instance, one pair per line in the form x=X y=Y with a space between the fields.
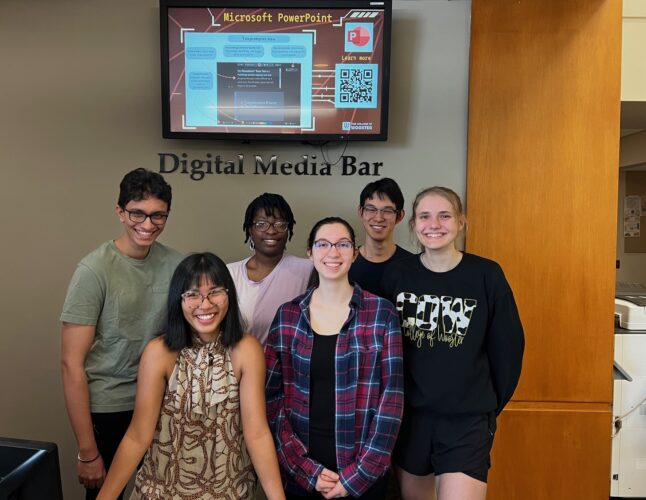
x=432 y=318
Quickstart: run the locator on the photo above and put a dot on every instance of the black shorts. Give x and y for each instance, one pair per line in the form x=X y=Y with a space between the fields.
x=429 y=443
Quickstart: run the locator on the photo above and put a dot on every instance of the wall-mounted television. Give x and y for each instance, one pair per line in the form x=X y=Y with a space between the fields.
x=307 y=70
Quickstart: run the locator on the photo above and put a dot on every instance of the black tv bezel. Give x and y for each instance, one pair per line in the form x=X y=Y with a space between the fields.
x=167 y=133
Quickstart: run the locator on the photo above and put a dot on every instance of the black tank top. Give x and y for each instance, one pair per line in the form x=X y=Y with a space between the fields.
x=323 y=401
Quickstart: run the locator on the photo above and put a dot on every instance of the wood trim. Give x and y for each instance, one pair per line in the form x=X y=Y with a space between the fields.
x=559 y=406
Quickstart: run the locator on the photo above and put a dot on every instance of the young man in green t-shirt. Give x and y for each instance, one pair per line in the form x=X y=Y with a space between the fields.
x=115 y=303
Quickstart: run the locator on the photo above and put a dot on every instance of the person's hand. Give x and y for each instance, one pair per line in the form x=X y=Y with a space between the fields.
x=91 y=474
x=326 y=481
x=337 y=492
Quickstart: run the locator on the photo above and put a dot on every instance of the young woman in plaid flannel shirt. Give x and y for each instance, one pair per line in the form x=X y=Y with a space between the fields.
x=334 y=378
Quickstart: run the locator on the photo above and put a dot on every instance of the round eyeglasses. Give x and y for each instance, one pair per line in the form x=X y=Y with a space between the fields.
x=326 y=246
x=262 y=225
x=387 y=213
x=216 y=296
x=157 y=218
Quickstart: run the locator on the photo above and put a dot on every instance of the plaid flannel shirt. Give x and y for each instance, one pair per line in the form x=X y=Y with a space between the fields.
x=369 y=391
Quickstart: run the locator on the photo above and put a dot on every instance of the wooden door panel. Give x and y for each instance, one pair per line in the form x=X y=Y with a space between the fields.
x=557 y=452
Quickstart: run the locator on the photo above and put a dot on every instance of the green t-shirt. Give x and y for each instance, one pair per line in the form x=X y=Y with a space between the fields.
x=126 y=299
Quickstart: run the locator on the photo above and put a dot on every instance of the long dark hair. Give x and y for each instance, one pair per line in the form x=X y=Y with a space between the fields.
x=314 y=275
x=325 y=222
x=189 y=273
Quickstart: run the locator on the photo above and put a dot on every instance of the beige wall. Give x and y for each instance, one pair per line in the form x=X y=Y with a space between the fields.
x=633 y=63
x=80 y=103
x=633 y=156
x=633 y=147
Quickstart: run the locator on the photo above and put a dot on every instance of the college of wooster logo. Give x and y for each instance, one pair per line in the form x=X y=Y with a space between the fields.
x=431 y=318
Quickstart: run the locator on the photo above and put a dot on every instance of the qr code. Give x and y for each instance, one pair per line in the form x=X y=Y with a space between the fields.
x=356 y=86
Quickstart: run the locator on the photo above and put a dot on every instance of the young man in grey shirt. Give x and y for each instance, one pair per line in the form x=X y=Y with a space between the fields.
x=115 y=303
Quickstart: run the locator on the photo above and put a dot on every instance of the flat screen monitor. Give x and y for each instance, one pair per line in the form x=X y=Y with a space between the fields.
x=303 y=70
x=29 y=470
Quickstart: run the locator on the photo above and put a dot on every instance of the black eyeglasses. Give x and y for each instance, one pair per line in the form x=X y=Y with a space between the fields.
x=387 y=213
x=341 y=245
x=262 y=225
x=157 y=218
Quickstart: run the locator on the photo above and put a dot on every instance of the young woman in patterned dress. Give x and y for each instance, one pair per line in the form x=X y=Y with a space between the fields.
x=200 y=409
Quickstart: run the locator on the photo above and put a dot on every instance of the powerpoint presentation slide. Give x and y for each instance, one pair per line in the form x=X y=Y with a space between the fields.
x=259 y=94
x=275 y=70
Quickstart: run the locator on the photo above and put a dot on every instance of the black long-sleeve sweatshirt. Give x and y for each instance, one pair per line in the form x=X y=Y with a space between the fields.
x=463 y=339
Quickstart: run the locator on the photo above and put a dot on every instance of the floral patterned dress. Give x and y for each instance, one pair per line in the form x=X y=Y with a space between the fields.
x=198 y=451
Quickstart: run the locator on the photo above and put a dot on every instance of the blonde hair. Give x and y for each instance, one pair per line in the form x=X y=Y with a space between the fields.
x=447 y=193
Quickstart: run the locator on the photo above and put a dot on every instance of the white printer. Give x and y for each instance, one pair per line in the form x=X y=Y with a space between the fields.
x=630 y=309
x=628 y=470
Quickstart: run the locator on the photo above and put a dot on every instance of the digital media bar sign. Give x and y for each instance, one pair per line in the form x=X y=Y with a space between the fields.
x=309 y=165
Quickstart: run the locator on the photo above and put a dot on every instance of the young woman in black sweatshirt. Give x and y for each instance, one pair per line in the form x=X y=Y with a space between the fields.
x=463 y=349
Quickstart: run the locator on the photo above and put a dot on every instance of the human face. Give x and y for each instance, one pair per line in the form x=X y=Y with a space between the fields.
x=269 y=243
x=436 y=223
x=206 y=317
x=332 y=263
x=139 y=236
x=379 y=227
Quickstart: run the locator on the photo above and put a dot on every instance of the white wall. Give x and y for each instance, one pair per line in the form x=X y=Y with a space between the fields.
x=80 y=101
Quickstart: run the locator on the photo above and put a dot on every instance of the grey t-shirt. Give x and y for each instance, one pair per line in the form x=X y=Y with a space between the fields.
x=126 y=299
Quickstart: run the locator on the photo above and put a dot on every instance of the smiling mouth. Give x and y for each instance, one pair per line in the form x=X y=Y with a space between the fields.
x=433 y=235
x=205 y=317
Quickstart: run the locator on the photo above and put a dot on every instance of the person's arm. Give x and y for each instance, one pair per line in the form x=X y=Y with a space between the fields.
x=154 y=367
x=505 y=344
x=76 y=341
x=373 y=460
x=249 y=357
x=292 y=453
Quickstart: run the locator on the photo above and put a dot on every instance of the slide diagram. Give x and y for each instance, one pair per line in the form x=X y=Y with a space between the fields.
x=248 y=79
